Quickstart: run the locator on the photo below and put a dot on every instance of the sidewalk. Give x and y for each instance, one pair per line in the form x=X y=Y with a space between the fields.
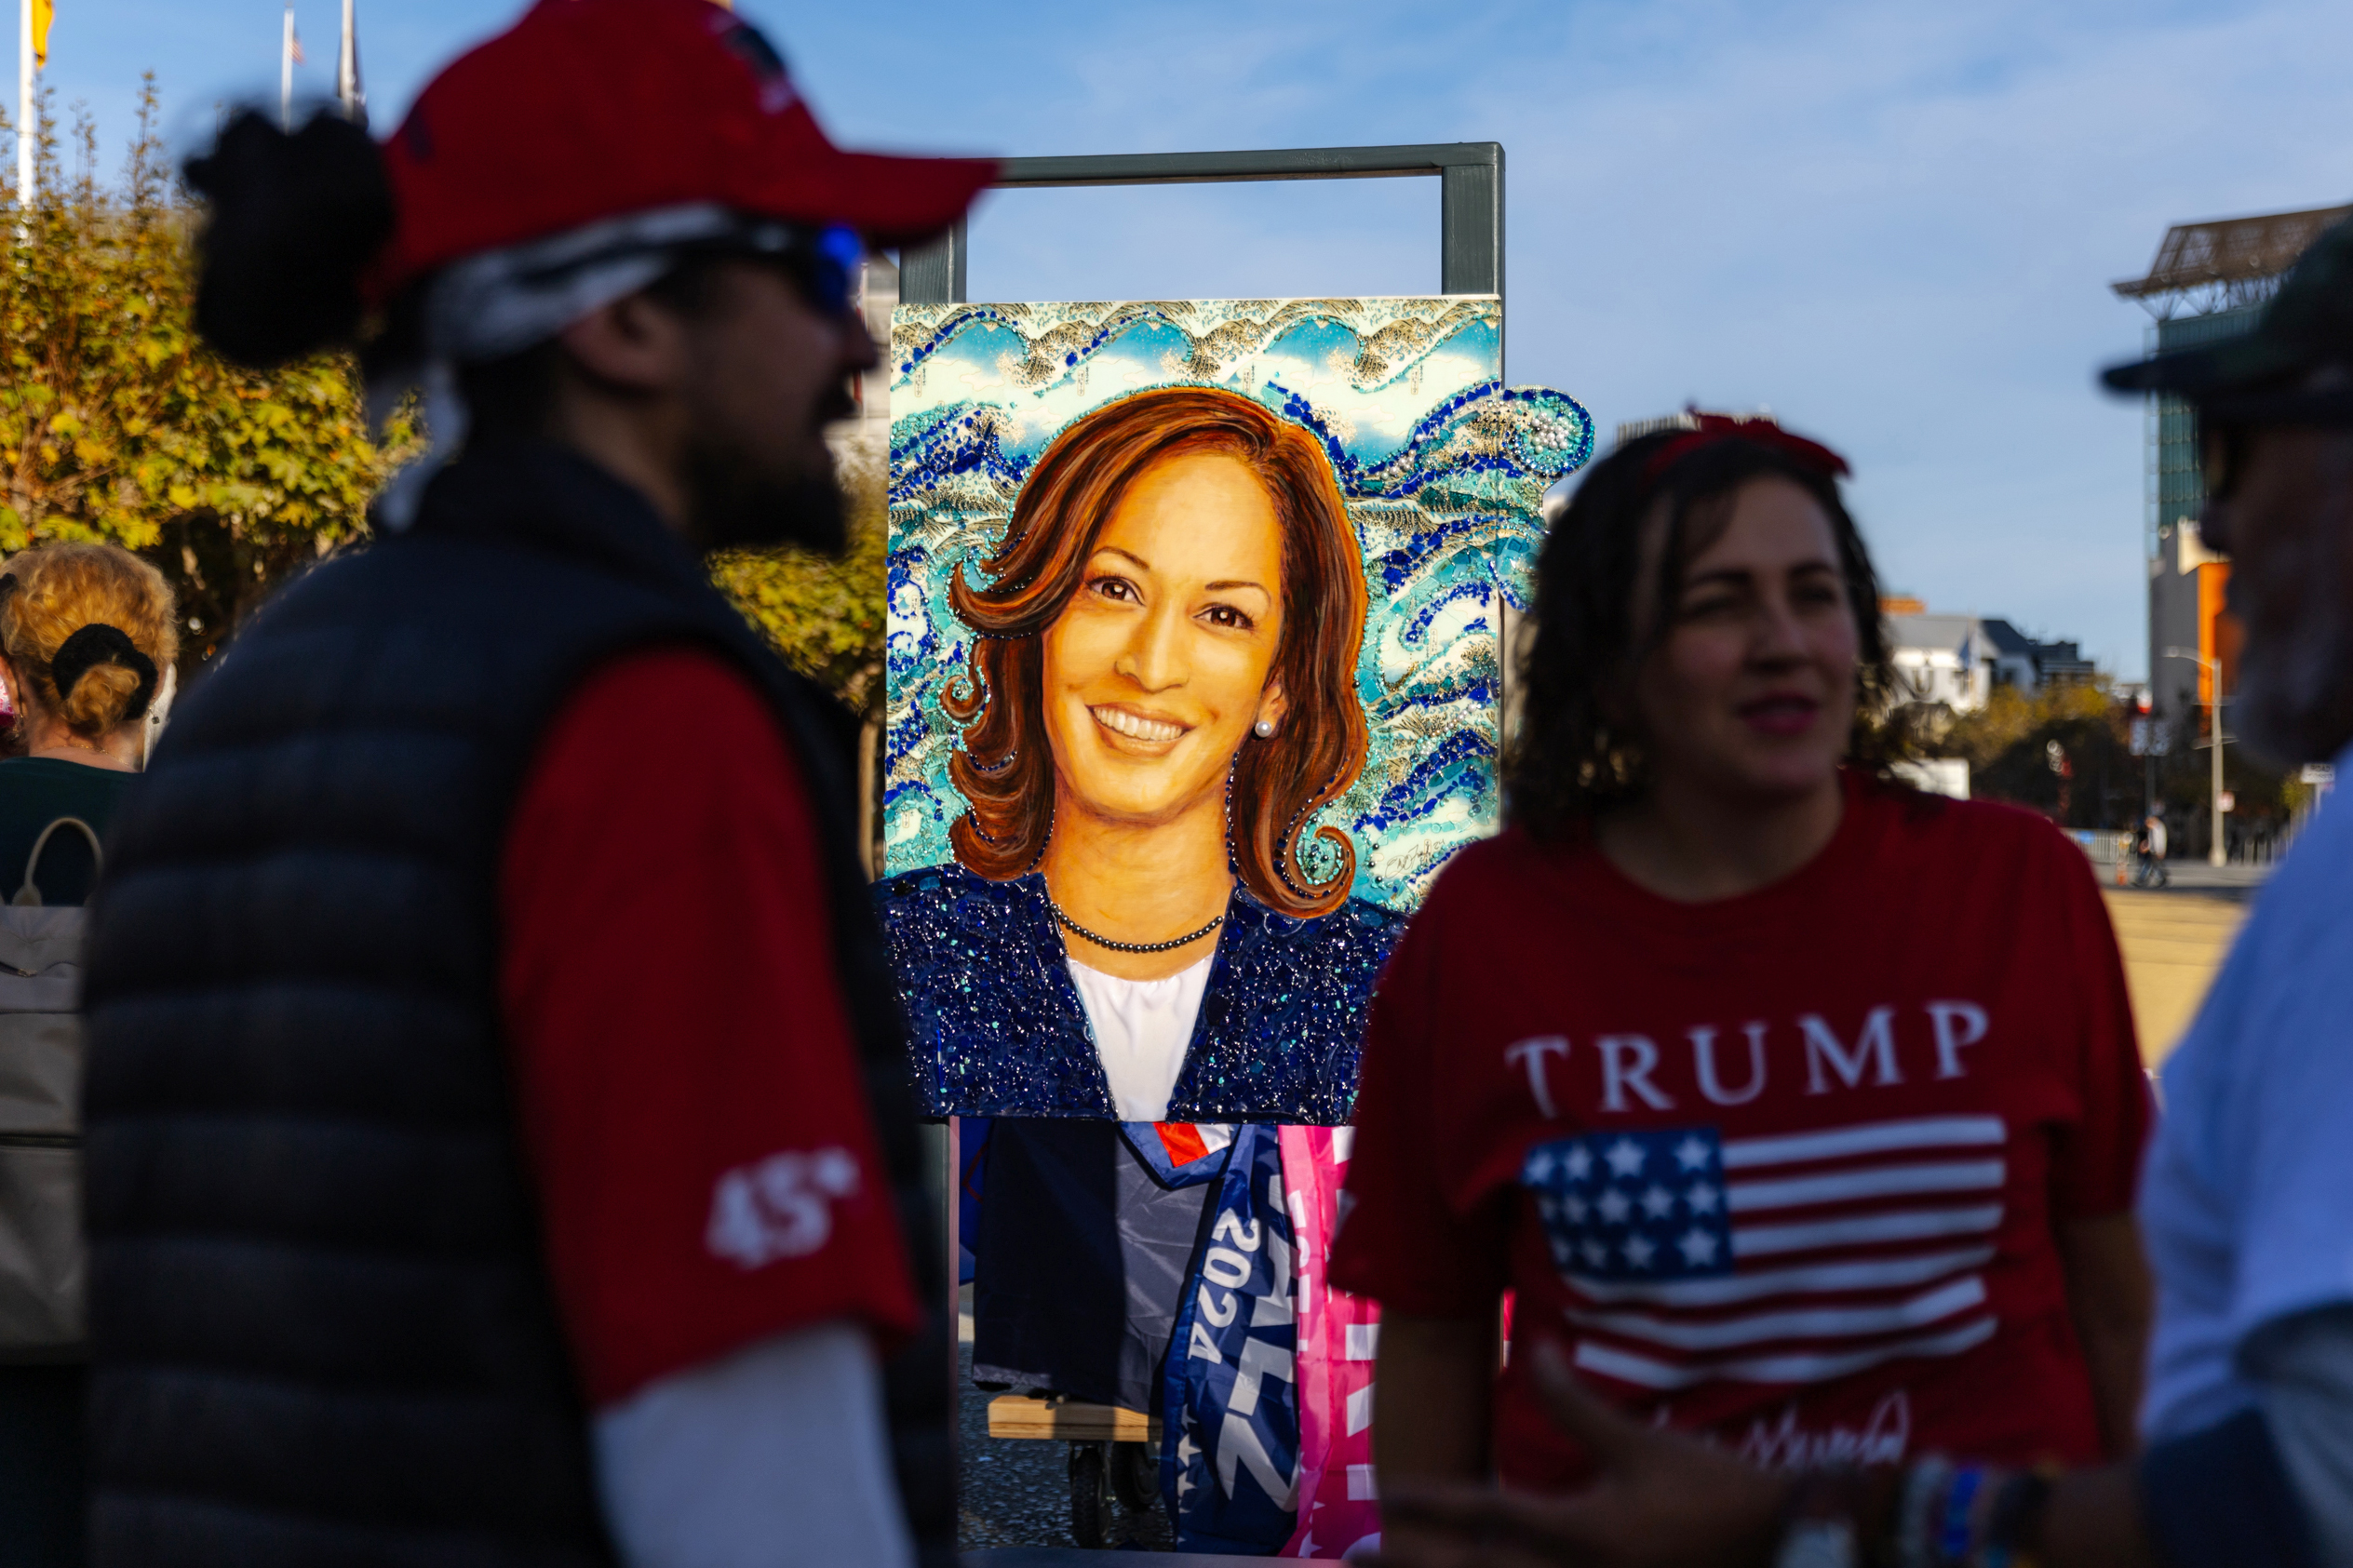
x=2229 y=881
x=2174 y=939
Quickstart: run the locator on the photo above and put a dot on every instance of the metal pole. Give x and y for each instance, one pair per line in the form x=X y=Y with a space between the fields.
x=347 y=90
x=1471 y=200
x=24 y=108
x=934 y=273
x=2217 y=854
x=285 y=72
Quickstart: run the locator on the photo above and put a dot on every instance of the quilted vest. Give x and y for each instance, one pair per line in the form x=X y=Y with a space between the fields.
x=322 y=1330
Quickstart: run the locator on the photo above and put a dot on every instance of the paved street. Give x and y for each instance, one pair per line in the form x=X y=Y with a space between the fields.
x=2174 y=939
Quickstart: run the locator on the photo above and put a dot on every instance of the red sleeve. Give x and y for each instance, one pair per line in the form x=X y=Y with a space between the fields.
x=688 y=1086
x=2096 y=1162
x=1400 y=1239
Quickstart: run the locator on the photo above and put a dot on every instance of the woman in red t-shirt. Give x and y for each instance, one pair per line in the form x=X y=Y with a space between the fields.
x=1797 y=1106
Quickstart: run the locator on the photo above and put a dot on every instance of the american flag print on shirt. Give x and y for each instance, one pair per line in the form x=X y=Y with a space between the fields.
x=1788 y=1259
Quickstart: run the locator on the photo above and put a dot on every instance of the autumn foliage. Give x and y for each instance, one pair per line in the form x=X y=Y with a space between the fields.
x=117 y=425
x=825 y=615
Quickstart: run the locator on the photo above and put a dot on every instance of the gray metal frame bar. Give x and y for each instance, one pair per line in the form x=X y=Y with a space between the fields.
x=1470 y=201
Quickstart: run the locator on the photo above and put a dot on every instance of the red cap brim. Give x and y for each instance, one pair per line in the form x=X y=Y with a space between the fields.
x=897 y=201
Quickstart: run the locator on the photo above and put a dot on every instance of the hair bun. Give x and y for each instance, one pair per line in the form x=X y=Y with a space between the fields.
x=294 y=223
x=98 y=643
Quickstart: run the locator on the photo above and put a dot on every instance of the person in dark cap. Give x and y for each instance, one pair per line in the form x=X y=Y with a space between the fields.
x=499 y=1147
x=2247 y=1200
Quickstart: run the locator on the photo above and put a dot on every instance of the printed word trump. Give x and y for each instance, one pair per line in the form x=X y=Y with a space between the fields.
x=1619 y=1073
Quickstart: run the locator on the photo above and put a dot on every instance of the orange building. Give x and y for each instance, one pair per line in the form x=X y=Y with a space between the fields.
x=2219 y=633
x=2189 y=588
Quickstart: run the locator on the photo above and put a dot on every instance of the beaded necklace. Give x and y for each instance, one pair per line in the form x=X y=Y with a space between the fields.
x=1071 y=924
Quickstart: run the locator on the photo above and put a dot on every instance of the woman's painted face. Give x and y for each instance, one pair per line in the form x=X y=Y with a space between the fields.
x=1160 y=664
x=1752 y=690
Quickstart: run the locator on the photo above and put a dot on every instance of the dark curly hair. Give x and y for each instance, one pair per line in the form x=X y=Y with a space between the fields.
x=1566 y=763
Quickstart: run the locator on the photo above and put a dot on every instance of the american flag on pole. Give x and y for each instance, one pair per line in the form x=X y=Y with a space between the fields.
x=1788 y=1259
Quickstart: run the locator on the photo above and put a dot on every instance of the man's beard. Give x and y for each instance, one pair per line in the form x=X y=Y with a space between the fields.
x=735 y=504
x=2294 y=698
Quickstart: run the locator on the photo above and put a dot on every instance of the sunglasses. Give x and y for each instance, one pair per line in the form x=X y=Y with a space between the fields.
x=823 y=263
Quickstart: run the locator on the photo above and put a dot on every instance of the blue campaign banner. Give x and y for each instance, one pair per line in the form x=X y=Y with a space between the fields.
x=1229 y=1443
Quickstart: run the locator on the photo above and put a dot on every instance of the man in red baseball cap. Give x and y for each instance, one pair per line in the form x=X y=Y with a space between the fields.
x=499 y=1144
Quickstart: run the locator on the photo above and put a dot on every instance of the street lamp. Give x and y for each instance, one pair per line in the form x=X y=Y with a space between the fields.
x=2214 y=853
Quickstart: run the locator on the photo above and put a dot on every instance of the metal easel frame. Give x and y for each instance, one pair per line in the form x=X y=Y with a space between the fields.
x=1470 y=261
x=1469 y=202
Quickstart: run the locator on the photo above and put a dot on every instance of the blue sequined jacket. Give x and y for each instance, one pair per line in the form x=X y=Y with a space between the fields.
x=999 y=1030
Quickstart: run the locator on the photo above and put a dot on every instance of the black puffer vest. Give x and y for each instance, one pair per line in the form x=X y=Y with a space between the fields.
x=324 y=1336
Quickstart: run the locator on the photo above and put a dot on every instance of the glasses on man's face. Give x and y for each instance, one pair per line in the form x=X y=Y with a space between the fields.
x=824 y=265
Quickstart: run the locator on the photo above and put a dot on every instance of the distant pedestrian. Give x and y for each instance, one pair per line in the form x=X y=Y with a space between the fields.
x=1804 y=1107
x=2155 y=828
x=88 y=637
x=88 y=633
x=2249 y=1419
x=501 y=1146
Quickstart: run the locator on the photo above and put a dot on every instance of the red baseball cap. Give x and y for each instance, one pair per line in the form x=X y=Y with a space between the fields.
x=593 y=108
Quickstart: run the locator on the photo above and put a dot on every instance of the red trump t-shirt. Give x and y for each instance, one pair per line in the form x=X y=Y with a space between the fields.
x=1782 y=1168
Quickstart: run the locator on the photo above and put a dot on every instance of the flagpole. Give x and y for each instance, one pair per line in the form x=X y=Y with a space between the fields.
x=347 y=69
x=24 y=105
x=285 y=71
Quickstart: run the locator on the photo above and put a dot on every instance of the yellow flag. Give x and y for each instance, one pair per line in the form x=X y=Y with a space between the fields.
x=41 y=11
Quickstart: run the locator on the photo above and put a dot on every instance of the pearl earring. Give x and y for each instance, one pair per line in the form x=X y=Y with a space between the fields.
x=1264 y=727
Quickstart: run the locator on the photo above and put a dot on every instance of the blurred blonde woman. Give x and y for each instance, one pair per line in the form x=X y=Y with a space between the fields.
x=87 y=635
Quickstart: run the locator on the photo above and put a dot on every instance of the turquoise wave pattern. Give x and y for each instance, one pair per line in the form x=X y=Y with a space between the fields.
x=1442 y=467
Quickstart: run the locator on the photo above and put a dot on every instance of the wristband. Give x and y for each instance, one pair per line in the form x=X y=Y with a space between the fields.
x=1912 y=1543
x=1817 y=1521
x=1953 y=1537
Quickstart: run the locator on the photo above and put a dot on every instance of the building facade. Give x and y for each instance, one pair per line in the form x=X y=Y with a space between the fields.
x=1960 y=661
x=2208 y=283
x=1940 y=659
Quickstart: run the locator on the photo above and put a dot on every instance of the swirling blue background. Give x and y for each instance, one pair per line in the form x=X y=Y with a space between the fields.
x=1442 y=468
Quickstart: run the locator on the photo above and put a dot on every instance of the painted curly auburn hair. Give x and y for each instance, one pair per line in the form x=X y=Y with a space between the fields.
x=1005 y=769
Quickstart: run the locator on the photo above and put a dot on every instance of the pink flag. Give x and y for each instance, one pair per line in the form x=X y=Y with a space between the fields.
x=1336 y=1333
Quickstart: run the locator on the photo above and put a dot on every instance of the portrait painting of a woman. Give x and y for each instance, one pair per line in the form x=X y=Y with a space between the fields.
x=1143 y=921
x=1192 y=691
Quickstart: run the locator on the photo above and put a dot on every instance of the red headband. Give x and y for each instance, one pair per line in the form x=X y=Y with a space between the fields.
x=1713 y=428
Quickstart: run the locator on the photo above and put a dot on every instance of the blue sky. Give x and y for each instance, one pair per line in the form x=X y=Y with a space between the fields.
x=1892 y=225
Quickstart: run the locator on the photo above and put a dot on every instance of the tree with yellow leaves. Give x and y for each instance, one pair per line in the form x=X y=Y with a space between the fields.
x=825 y=613
x=117 y=424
